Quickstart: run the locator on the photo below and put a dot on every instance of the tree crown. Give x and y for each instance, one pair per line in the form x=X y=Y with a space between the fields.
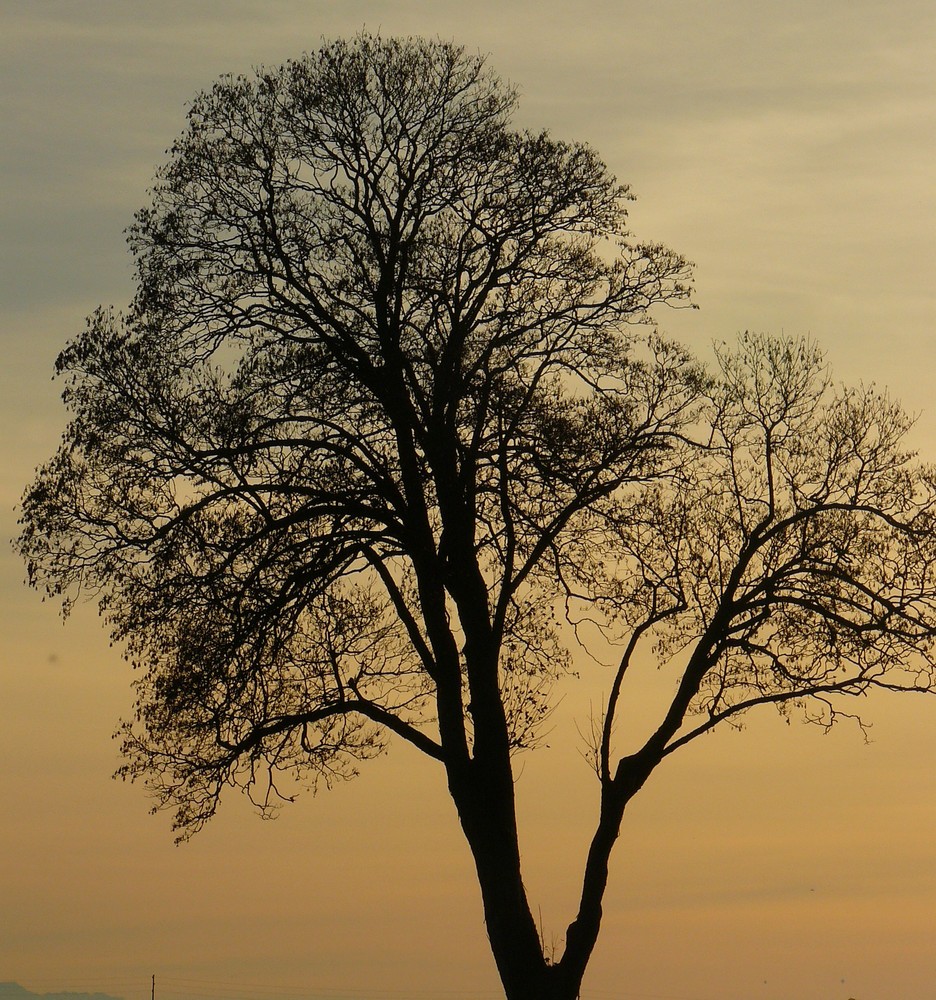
x=388 y=412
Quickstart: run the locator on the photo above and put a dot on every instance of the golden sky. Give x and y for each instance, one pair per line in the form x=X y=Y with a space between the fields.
x=789 y=148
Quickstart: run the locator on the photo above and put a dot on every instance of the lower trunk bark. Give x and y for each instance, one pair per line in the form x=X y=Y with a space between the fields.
x=484 y=798
x=486 y=812
x=490 y=829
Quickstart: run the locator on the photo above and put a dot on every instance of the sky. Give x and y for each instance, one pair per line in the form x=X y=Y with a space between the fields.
x=788 y=149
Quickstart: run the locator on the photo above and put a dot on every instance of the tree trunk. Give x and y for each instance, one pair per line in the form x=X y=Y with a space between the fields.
x=582 y=933
x=485 y=803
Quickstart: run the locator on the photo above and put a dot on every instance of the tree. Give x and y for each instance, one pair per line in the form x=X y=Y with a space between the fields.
x=388 y=424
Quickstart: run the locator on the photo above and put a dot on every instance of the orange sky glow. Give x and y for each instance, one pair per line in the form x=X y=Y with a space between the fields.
x=788 y=149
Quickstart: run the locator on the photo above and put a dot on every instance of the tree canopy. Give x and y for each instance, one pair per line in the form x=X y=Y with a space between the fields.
x=389 y=417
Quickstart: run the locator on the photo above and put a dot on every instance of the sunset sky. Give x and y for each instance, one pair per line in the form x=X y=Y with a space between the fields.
x=789 y=149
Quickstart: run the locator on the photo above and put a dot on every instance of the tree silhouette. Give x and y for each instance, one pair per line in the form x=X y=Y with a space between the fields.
x=388 y=420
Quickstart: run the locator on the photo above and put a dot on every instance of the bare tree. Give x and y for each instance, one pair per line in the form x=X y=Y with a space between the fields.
x=388 y=416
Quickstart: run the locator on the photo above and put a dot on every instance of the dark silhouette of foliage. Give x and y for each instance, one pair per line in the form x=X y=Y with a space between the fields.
x=388 y=416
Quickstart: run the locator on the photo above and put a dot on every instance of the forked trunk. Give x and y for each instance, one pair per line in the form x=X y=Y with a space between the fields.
x=489 y=824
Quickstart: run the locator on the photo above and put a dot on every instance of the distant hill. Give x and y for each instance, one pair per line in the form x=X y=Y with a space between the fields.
x=13 y=991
